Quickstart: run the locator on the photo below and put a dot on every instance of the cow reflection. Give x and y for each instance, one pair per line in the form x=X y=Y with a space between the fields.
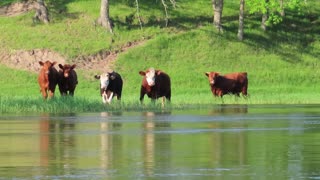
x=228 y=146
x=229 y=109
x=109 y=142
x=155 y=144
x=55 y=141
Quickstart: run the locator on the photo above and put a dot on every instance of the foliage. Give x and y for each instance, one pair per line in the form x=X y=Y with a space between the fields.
x=274 y=8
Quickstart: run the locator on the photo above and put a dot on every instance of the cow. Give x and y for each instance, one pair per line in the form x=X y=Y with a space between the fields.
x=232 y=83
x=110 y=86
x=155 y=84
x=67 y=79
x=47 y=78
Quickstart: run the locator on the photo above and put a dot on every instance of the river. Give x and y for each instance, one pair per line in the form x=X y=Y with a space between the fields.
x=220 y=142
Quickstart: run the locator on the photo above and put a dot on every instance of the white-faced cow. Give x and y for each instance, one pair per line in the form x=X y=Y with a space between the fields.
x=110 y=86
x=232 y=83
x=48 y=78
x=67 y=79
x=155 y=84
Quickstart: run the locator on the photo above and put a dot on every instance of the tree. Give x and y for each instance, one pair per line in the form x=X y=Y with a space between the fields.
x=241 y=20
x=217 y=6
x=104 y=19
x=41 y=12
x=165 y=6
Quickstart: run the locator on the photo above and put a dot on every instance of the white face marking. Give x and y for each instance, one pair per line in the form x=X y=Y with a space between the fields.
x=150 y=77
x=104 y=80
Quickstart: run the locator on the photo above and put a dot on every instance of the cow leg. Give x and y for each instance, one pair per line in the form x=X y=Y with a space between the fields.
x=169 y=96
x=104 y=97
x=244 y=92
x=142 y=93
x=71 y=92
x=52 y=88
x=44 y=93
x=163 y=101
x=51 y=93
x=110 y=98
x=118 y=97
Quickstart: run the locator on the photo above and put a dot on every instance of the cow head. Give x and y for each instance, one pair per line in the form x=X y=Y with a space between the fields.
x=105 y=79
x=46 y=66
x=212 y=76
x=150 y=75
x=66 y=69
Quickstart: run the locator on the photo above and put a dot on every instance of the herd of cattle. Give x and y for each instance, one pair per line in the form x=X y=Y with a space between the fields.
x=155 y=83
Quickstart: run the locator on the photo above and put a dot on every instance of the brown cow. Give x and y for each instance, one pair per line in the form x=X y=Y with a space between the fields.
x=67 y=79
x=48 y=78
x=155 y=84
x=232 y=83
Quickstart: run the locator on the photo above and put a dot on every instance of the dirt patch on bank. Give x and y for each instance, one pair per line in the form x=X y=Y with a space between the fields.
x=29 y=60
x=17 y=8
x=103 y=61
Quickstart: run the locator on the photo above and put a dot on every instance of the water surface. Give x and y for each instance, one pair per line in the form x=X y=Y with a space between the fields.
x=222 y=142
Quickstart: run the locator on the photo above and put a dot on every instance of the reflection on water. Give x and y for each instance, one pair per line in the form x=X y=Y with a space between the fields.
x=227 y=141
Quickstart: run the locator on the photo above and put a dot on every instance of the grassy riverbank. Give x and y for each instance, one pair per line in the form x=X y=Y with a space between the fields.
x=283 y=63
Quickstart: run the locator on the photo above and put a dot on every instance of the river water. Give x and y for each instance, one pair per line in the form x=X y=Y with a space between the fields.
x=220 y=142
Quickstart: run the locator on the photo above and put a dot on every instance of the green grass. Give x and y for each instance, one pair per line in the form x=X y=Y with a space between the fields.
x=282 y=63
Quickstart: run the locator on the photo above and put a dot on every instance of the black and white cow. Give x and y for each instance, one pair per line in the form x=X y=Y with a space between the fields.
x=110 y=86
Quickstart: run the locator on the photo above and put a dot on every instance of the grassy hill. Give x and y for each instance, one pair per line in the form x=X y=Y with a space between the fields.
x=282 y=63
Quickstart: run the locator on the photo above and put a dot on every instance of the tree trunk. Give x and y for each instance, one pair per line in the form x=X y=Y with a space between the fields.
x=41 y=12
x=282 y=13
x=263 y=21
x=265 y=17
x=241 y=20
x=104 y=19
x=217 y=6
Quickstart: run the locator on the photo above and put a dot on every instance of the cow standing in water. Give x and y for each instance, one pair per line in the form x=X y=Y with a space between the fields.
x=110 y=86
x=232 y=83
x=67 y=79
x=48 y=78
x=155 y=84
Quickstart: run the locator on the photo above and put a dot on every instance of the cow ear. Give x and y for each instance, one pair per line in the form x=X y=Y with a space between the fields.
x=73 y=66
x=54 y=63
x=158 y=72
x=207 y=73
x=60 y=66
x=97 y=76
x=142 y=73
x=41 y=63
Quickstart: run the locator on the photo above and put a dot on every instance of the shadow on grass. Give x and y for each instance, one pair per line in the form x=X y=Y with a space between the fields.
x=289 y=39
x=59 y=10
